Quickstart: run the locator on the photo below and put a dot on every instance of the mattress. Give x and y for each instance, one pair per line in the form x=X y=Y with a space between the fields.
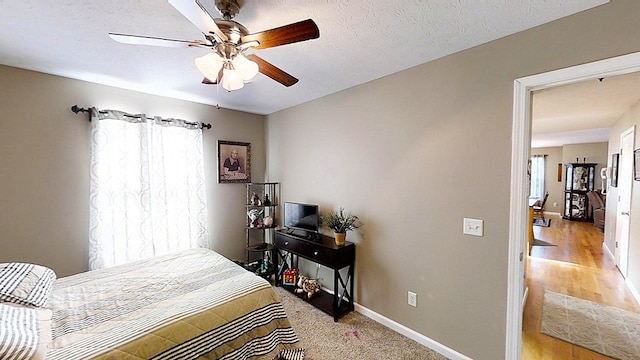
x=189 y=305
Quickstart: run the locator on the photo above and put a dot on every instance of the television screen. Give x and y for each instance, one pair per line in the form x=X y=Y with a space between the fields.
x=301 y=216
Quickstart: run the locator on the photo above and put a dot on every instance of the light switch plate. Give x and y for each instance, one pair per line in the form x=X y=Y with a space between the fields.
x=473 y=227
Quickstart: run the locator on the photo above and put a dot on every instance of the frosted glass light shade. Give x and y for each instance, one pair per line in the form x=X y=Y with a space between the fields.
x=209 y=65
x=247 y=68
x=231 y=80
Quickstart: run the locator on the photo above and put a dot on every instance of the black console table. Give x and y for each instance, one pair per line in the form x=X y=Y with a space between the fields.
x=322 y=250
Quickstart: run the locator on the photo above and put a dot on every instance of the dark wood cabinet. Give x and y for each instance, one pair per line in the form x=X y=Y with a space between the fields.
x=321 y=250
x=579 y=180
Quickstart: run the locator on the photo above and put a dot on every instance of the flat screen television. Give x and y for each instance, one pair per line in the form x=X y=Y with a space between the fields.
x=303 y=217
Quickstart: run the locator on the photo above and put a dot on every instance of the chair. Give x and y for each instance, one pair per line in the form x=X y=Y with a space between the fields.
x=538 y=207
x=598 y=205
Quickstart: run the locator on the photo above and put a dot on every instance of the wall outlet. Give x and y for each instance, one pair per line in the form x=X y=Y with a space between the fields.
x=473 y=227
x=412 y=299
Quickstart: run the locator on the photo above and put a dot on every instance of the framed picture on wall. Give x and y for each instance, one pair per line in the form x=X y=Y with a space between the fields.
x=636 y=164
x=234 y=162
x=615 y=158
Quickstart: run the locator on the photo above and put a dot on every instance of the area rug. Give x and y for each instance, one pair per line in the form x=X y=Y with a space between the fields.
x=542 y=222
x=604 y=329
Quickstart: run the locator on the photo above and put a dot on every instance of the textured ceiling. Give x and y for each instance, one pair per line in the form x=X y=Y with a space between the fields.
x=359 y=41
x=582 y=112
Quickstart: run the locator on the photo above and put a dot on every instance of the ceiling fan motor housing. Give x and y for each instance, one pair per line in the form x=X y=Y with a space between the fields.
x=228 y=8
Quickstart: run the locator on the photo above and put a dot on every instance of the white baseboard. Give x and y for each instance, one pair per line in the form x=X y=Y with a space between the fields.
x=411 y=334
x=633 y=290
x=556 y=214
x=606 y=250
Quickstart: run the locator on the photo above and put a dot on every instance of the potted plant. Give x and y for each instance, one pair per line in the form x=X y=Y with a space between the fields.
x=340 y=222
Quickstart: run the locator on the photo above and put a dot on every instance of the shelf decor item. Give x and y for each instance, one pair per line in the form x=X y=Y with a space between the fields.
x=340 y=222
x=290 y=276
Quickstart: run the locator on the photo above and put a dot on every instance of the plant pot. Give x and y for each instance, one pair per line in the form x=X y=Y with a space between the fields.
x=340 y=238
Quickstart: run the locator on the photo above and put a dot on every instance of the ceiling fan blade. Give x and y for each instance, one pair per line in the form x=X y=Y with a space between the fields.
x=300 y=31
x=198 y=15
x=272 y=71
x=153 y=41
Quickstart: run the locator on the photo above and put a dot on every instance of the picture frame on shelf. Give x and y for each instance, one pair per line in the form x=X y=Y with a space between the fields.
x=615 y=158
x=636 y=164
x=234 y=162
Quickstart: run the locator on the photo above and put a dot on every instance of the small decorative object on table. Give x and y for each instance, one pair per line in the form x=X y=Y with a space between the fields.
x=308 y=286
x=254 y=216
x=290 y=276
x=255 y=200
x=340 y=223
x=266 y=262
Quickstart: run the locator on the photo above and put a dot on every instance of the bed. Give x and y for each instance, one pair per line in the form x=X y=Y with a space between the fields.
x=194 y=304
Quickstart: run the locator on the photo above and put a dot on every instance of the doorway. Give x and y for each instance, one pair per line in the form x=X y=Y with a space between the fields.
x=627 y=141
x=521 y=142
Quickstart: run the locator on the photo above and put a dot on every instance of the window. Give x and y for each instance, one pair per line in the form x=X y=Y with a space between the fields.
x=147 y=191
x=537 y=176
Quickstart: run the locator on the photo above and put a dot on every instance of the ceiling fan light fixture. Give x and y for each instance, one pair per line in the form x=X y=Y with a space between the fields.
x=231 y=79
x=246 y=68
x=209 y=65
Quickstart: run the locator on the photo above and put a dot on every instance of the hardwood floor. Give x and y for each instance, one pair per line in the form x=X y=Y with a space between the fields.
x=577 y=266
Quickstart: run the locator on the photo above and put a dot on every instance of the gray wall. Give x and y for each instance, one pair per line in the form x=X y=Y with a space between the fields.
x=44 y=165
x=593 y=152
x=630 y=118
x=414 y=153
x=411 y=154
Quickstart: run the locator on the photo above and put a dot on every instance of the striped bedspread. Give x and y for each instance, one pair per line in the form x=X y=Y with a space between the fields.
x=189 y=305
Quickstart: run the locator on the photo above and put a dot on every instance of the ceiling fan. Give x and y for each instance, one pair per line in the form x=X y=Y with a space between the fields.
x=227 y=64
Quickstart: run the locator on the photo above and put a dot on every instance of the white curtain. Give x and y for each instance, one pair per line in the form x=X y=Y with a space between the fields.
x=537 y=177
x=147 y=191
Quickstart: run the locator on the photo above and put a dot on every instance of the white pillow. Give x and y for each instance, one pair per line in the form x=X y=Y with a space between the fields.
x=25 y=333
x=25 y=284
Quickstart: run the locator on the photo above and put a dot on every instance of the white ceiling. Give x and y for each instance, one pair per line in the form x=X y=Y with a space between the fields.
x=359 y=41
x=582 y=112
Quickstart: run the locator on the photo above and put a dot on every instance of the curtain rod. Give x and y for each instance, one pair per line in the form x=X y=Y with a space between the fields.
x=77 y=109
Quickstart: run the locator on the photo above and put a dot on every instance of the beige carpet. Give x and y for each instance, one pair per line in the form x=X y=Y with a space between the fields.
x=604 y=329
x=354 y=336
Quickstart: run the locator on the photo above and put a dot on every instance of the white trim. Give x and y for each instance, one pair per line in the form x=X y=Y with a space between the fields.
x=633 y=290
x=521 y=143
x=411 y=334
x=549 y=213
x=608 y=251
x=518 y=221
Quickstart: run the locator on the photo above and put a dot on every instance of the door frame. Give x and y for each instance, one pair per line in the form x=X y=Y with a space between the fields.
x=621 y=251
x=520 y=150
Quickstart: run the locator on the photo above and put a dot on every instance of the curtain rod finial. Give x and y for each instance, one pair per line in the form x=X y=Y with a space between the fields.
x=77 y=109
